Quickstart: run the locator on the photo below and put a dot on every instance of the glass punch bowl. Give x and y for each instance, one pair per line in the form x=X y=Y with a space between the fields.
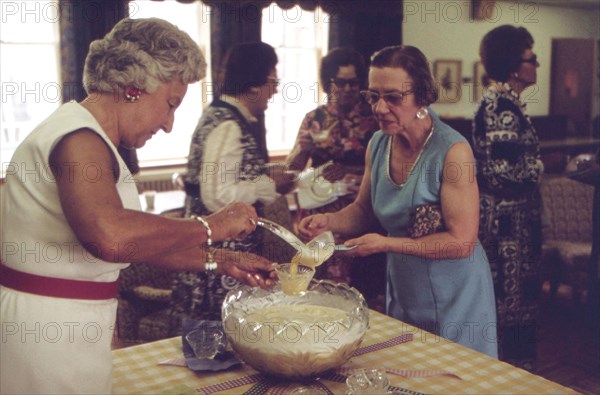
x=295 y=336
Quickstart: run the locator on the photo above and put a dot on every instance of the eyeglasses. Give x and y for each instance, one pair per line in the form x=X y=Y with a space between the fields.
x=532 y=59
x=273 y=81
x=392 y=98
x=342 y=82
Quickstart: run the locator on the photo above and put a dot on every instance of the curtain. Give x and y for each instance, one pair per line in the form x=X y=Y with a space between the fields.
x=366 y=26
x=81 y=23
x=231 y=22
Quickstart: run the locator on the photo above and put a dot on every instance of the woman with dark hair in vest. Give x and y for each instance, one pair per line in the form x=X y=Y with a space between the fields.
x=226 y=164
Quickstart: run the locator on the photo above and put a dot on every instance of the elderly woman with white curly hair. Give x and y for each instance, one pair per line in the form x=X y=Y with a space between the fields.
x=68 y=229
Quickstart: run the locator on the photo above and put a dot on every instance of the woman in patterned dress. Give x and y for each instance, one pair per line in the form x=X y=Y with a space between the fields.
x=506 y=149
x=351 y=124
x=226 y=163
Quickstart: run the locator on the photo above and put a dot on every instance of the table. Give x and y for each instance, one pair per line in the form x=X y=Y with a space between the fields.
x=136 y=369
x=163 y=201
x=569 y=144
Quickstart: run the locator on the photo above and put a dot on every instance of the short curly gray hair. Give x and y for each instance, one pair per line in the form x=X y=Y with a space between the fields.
x=142 y=53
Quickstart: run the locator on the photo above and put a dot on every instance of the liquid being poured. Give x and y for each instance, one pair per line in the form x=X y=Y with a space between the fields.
x=313 y=254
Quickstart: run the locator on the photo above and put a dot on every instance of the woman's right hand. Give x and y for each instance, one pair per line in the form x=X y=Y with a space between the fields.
x=352 y=182
x=234 y=221
x=314 y=225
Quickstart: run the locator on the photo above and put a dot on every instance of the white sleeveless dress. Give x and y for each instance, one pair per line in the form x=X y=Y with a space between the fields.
x=54 y=345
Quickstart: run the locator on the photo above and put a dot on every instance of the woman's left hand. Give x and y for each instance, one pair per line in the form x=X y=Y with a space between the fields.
x=371 y=243
x=246 y=268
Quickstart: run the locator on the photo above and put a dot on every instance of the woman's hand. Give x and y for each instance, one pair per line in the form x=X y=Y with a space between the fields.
x=352 y=182
x=334 y=172
x=246 y=268
x=305 y=141
x=284 y=178
x=314 y=225
x=234 y=221
x=371 y=243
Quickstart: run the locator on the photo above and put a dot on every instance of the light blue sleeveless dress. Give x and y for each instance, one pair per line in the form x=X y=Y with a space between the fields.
x=453 y=298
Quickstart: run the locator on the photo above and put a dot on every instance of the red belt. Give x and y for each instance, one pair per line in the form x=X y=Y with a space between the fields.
x=57 y=287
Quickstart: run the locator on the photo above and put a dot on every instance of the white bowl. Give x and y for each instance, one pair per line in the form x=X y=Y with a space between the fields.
x=295 y=336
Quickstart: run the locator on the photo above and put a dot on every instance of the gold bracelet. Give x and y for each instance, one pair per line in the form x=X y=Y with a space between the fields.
x=210 y=264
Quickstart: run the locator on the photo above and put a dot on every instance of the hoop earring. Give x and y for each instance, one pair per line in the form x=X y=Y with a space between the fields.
x=132 y=95
x=422 y=113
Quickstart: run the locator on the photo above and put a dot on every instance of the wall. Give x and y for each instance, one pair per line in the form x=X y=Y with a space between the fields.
x=445 y=30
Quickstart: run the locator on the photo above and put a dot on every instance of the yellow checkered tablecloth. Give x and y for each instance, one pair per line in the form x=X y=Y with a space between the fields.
x=136 y=369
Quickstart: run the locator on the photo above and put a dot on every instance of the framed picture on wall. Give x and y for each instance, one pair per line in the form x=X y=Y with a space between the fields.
x=479 y=81
x=572 y=87
x=447 y=74
x=483 y=10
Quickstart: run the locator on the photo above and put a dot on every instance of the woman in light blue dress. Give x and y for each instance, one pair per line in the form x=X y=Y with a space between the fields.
x=420 y=185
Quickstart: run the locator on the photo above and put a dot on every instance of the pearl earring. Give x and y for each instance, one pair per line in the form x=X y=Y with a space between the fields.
x=422 y=113
x=132 y=95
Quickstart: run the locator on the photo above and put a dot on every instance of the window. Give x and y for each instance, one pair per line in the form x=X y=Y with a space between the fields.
x=300 y=40
x=192 y=18
x=29 y=32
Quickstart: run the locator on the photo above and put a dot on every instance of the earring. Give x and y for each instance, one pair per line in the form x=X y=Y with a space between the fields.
x=422 y=113
x=132 y=95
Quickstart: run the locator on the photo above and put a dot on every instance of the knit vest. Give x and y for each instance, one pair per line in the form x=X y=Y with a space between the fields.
x=254 y=158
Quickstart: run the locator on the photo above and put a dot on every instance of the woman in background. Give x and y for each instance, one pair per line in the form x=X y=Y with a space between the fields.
x=506 y=149
x=339 y=131
x=227 y=159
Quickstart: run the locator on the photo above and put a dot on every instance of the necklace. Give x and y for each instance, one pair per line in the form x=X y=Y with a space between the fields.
x=389 y=154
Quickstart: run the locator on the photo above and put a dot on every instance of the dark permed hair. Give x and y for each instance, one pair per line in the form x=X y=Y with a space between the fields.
x=245 y=66
x=501 y=51
x=338 y=57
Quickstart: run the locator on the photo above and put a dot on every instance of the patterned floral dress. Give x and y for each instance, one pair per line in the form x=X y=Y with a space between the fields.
x=346 y=146
x=506 y=149
x=347 y=142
